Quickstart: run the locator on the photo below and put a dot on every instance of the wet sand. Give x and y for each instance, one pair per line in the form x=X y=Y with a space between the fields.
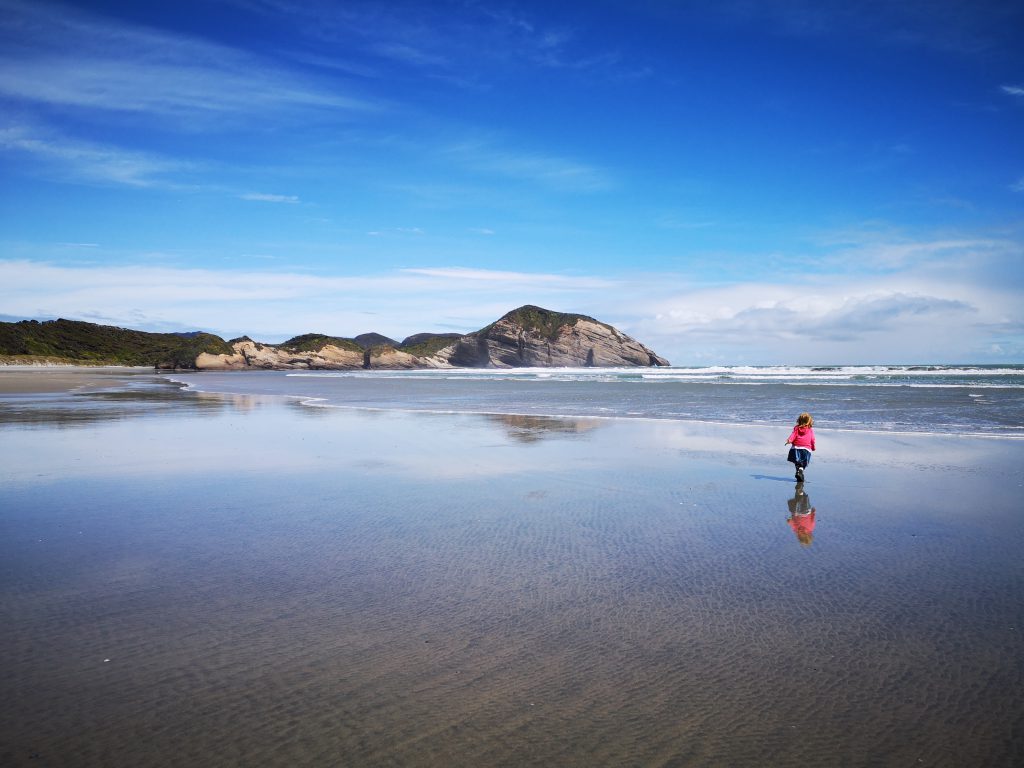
x=36 y=379
x=215 y=581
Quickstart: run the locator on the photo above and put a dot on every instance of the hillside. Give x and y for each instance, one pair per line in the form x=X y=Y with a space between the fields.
x=84 y=343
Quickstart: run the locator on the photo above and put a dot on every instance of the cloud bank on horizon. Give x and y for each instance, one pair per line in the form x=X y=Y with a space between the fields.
x=782 y=182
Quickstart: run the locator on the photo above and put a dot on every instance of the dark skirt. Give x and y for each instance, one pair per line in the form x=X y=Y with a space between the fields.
x=799 y=456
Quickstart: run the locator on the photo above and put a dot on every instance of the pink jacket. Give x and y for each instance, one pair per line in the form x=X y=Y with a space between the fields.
x=802 y=437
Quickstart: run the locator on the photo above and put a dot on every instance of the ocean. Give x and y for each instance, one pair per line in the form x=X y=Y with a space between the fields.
x=928 y=399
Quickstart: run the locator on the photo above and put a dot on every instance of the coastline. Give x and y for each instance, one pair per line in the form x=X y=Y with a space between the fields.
x=246 y=579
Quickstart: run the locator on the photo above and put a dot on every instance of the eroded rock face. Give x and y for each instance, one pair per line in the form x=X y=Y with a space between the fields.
x=585 y=342
x=389 y=358
x=208 y=362
x=250 y=354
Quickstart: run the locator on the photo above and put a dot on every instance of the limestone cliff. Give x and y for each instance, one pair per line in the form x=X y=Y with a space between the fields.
x=389 y=358
x=289 y=356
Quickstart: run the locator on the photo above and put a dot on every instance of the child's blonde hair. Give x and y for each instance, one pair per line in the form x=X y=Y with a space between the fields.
x=805 y=420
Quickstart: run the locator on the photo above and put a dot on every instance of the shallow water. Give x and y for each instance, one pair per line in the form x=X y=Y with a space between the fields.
x=919 y=399
x=240 y=581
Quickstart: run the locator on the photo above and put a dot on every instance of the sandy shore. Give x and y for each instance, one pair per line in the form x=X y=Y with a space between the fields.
x=241 y=581
x=34 y=379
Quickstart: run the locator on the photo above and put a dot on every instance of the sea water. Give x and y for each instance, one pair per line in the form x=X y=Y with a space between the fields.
x=933 y=399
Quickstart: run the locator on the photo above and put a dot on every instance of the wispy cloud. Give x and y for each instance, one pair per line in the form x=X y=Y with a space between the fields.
x=95 y=162
x=72 y=58
x=555 y=172
x=465 y=274
x=402 y=231
x=263 y=197
x=1013 y=90
x=953 y=26
x=463 y=43
x=869 y=249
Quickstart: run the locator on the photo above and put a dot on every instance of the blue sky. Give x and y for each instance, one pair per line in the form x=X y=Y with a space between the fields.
x=735 y=182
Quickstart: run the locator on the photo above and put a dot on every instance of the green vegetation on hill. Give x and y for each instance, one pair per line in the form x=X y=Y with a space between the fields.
x=544 y=321
x=74 y=341
x=371 y=340
x=426 y=344
x=314 y=342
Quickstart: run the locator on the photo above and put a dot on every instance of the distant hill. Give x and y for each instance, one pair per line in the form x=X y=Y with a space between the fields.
x=527 y=336
x=422 y=338
x=311 y=342
x=532 y=336
x=87 y=343
x=368 y=340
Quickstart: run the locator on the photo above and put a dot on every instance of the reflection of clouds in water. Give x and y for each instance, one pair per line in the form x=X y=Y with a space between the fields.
x=212 y=435
x=835 y=447
x=127 y=434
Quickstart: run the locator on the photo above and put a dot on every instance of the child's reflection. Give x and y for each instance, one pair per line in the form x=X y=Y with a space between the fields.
x=801 y=516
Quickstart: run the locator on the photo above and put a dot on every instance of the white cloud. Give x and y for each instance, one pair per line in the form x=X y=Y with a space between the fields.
x=268 y=198
x=828 y=320
x=832 y=319
x=946 y=310
x=1013 y=90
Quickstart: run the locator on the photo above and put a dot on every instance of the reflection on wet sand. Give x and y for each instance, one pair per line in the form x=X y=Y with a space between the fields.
x=530 y=429
x=100 y=402
x=801 y=516
x=375 y=588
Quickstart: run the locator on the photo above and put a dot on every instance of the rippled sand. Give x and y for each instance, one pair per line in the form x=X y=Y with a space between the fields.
x=216 y=581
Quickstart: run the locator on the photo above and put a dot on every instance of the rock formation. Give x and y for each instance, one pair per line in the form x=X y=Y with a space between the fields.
x=526 y=337
x=535 y=337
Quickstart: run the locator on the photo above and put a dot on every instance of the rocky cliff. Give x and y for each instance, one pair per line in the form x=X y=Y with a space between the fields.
x=526 y=337
x=535 y=337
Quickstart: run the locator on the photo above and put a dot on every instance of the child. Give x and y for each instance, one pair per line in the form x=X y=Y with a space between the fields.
x=802 y=440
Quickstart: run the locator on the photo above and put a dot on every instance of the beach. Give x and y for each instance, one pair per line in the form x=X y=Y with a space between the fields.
x=227 y=579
